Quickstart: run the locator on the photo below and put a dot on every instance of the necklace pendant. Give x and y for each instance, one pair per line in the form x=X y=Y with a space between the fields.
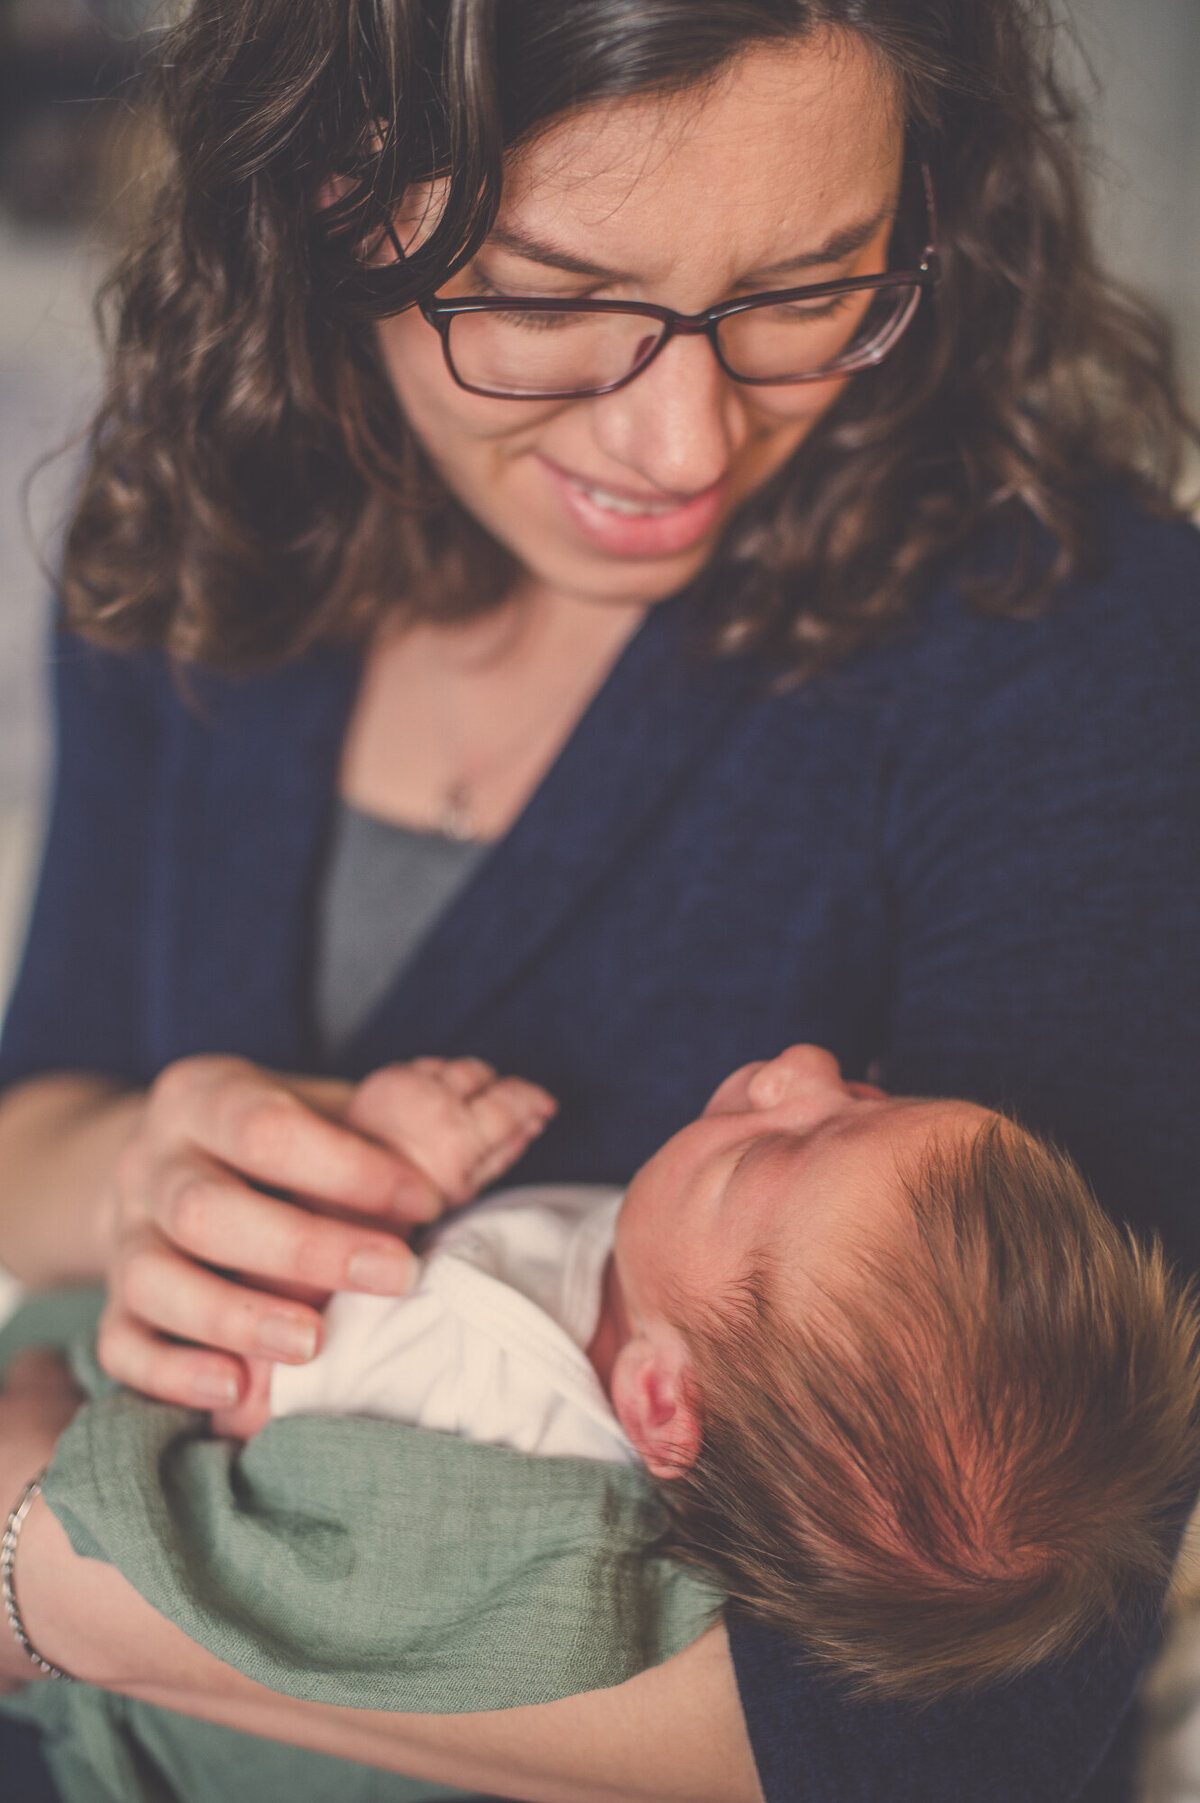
x=457 y=820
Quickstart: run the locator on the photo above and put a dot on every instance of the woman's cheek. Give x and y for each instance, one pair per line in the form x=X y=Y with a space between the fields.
x=799 y=405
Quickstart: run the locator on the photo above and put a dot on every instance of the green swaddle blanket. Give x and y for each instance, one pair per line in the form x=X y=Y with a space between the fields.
x=347 y=1561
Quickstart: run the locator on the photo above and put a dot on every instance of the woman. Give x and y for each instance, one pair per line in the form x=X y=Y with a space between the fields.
x=810 y=670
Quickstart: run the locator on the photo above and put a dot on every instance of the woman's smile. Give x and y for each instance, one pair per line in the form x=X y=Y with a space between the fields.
x=635 y=524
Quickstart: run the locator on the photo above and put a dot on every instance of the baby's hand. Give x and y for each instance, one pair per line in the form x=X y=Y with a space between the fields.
x=454 y=1117
x=253 y=1411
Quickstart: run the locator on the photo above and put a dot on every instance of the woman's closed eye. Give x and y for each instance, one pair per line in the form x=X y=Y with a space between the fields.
x=535 y=320
x=811 y=309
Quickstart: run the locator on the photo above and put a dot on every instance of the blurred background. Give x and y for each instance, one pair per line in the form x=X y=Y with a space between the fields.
x=71 y=144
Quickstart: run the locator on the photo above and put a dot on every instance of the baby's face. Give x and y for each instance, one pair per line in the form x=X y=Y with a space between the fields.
x=787 y=1164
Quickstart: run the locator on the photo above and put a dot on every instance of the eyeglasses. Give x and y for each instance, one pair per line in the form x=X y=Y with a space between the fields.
x=524 y=348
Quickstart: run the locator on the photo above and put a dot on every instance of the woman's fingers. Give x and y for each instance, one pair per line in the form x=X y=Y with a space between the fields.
x=169 y=1293
x=252 y=1412
x=210 y=1214
x=188 y=1205
x=256 y=1125
x=135 y=1355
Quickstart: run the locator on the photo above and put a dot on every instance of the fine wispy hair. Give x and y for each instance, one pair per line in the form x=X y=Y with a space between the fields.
x=252 y=487
x=968 y=1455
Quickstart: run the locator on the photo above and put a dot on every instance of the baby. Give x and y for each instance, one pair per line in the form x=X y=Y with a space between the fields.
x=906 y=1392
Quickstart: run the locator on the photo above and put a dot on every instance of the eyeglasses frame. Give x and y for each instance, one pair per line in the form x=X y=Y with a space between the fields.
x=441 y=314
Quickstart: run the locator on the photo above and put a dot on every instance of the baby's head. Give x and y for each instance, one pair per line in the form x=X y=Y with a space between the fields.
x=911 y=1396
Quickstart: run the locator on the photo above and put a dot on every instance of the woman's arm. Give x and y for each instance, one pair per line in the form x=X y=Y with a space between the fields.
x=57 y=1136
x=672 y=1735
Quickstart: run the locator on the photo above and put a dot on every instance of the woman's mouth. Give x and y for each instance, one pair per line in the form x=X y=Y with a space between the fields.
x=628 y=523
x=612 y=503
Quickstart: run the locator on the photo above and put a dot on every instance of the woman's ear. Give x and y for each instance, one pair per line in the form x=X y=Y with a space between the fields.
x=652 y=1401
x=418 y=214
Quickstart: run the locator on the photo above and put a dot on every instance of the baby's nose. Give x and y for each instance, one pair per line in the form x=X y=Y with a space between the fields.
x=806 y=1070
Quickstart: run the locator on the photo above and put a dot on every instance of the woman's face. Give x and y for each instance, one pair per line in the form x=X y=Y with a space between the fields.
x=685 y=201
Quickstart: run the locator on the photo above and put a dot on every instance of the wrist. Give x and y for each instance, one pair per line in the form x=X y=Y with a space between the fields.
x=10 y=1540
x=24 y=1464
x=61 y=1140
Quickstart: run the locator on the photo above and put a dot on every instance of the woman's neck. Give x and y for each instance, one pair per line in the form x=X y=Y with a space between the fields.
x=478 y=709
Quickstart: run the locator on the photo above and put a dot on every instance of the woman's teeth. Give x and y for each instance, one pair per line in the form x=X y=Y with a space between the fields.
x=610 y=503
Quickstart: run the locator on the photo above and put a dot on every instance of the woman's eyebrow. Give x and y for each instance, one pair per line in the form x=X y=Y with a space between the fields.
x=841 y=244
x=534 y=250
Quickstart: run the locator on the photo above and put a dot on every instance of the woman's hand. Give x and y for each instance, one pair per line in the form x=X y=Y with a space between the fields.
x=209 y=1265
x=462 y=1124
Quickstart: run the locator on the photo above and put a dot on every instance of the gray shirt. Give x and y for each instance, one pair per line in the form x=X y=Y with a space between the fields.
x=385 y=886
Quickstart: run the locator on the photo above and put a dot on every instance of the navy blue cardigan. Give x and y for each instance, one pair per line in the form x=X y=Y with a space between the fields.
x=970 y=859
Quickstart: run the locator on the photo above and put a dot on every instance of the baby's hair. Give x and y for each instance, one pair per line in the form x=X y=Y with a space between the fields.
x=971 y=1456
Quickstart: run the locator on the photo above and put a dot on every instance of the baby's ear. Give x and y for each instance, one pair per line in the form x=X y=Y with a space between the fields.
x=652 y=1401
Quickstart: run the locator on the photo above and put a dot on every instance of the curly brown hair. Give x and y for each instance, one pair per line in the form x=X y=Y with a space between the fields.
x=968 y=1459
x=252 y=487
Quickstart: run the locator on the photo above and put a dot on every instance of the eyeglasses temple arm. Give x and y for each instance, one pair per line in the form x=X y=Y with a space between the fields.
x=931 y=249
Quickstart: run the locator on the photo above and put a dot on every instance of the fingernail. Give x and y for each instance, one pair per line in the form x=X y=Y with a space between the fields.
x=384 y=1272
x=282 y=1337
x=214 y=1392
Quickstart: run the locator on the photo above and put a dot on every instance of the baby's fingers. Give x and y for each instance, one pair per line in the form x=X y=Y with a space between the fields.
x=457 y=1119
x=505 y=1116
x=461 y=1076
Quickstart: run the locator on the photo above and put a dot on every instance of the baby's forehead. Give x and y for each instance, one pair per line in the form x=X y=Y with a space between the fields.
x=927 y=1132
x=943 y=1123
x=862 y=1190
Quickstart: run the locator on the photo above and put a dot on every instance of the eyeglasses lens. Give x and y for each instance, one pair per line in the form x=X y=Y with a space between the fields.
x=790 y=340
x=529 y=352
x=535 y=353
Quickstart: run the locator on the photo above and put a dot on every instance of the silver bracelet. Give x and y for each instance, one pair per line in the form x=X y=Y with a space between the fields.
x=8 y=1562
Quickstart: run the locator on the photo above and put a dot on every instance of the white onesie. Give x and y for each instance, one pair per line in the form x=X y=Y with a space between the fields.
x=491 y=1345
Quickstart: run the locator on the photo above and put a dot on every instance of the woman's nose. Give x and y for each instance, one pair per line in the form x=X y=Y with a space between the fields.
x=804 y=1073
x=679 y=424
